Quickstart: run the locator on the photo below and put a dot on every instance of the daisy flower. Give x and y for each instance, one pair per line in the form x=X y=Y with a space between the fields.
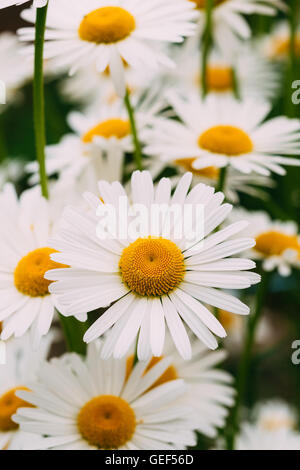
x=274 y=415
x=209 y=390
x=247 y=72
x=229 y=27
x=96 y=150
x=20 y=368
x=111 y=32
x=86 y=404
x=277 y=243
x=25 y=300
x=14 y=72
x=277 y=44
x=9 y=3
x=221 y=132
x=153 y=275
x=253 y=437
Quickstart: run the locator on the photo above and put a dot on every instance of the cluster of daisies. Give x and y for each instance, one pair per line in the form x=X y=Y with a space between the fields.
x=148 y=318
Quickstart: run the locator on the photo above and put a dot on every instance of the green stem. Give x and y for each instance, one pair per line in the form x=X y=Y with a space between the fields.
x=74 y=331
x=38 y=97
x=207 y=43
x=222 y=179
x=236 y=90
x=136 y=142
x=245 y=362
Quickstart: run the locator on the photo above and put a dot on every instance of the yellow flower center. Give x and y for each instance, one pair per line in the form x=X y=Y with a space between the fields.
x=107 y=422
x=274 y=243
x=227 y=319
x=106 y=25
x=111 y=128
x=169 y=374
x=211 y=172
x=152 y=266
x=201 y=4
x=219 y=79
x=282 y=47
x=275 y=423
x=29 y=273
x=9 y=405
x=226 y=140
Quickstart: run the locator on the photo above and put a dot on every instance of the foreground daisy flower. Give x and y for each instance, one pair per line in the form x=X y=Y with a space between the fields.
x=247 y=72
x=9 y=3
x=229 y=26
x=209 y=391
x=274 y=415
x=153 y=275
x=277 y=243
x=252 y=437
x=111 y=32
x=25 y=257
x=277 y=45
x=221 y=132
x=20 y=368
x=106 y=411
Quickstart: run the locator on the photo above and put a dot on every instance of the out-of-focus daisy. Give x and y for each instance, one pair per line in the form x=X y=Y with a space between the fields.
x=277 y=243
x=26 y=226
x=111 y=32
x=9 y=3
x=89 y=404
x=155 y=275
x=14 y=72
x=11 y=170
x=20 y=368
x=247 y=73
x=96 y=150
x=220 y=132
x=229 y=26
x=277 y=44
x=274 y=415
x=209 y=391
x=253 y=437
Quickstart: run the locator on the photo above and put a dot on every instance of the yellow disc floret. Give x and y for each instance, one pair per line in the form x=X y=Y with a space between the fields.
x=107 y=422
x=211 y=172
x=273 y=243
x=106 y=25
x=9 y=405
x=29 y=273
x=169 y=374
x=219 y=79
x=282 y=47
x=152 y=266
x=226 y=140
x=117 y=128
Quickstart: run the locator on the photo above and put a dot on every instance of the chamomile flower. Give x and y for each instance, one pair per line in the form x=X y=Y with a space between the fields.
x=26 y=226
x=277 y=44
x=20 y=368
x=229 y=27
x=90 y=404
x=253 y=437
x=97 y=148
x=221 y=132
x=152 y=274
x=274 y=415
x=14 y=72
x=277 y=243
x=209 y=390
x=247 y=73
x=111 y=32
